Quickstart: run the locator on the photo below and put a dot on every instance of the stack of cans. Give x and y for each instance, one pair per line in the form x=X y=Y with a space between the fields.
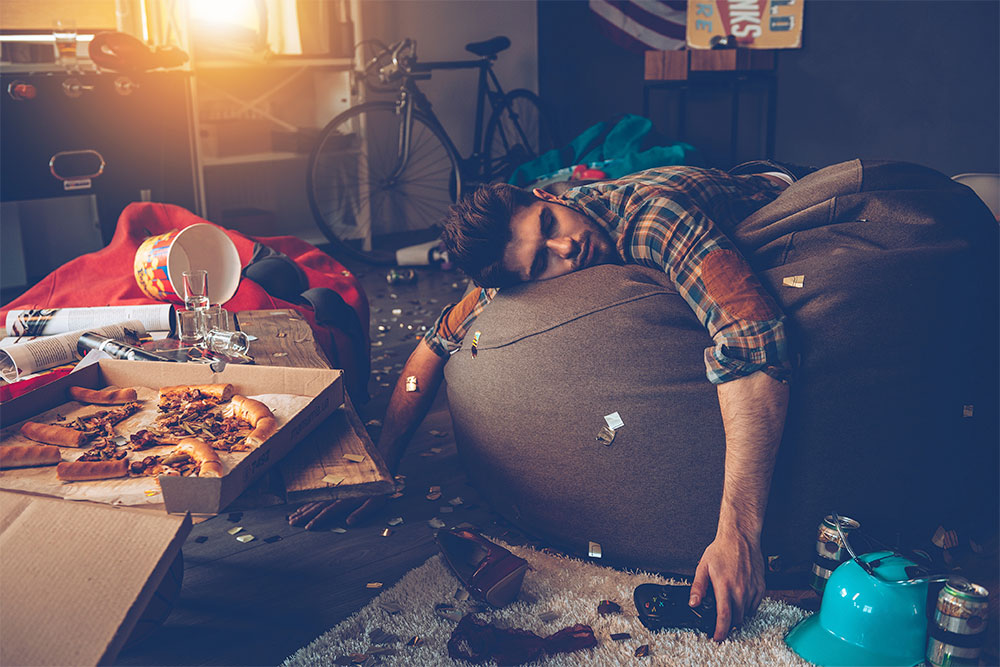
x=830 y=549
x=956 y=635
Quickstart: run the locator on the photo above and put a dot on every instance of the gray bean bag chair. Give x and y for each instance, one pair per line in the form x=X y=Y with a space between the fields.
x=893 y=414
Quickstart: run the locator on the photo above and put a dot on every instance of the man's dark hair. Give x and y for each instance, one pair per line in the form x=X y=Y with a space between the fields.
x=477 y=229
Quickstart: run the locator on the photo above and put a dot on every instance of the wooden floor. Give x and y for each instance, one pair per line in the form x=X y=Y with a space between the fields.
x=257 y=603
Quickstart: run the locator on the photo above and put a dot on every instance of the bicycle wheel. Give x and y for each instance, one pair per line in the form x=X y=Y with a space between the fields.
x=519 y=131
x=365 y=199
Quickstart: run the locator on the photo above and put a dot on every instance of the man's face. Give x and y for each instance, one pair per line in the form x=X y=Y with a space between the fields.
x=548 y=239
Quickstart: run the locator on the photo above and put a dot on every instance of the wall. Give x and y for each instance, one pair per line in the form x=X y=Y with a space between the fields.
x=912 y=80
x=917 y=81
x=442 y=28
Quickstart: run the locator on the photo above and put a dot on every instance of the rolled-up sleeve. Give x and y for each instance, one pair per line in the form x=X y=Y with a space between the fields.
x=449 y=330
x=745 y=323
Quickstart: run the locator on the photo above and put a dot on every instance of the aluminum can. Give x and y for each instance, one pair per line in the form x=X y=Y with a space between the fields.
x=830 y=550
x=957 y=633
x=401 y=276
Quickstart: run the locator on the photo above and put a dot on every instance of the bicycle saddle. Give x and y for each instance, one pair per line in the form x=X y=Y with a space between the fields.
x=490 y=47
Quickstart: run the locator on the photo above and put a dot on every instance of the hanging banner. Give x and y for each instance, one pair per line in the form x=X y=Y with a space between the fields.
x=755 y=24
x=642 y=25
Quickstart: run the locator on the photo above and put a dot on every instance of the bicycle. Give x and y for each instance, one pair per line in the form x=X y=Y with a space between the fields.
x=383 y=173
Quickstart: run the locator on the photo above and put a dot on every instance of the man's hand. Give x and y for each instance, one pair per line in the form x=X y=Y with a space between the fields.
x=735 y=567
x=324 y=513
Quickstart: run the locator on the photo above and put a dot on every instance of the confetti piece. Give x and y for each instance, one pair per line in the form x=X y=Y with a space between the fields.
x=281 y=334
x=279 y=354
x=461 y=595
x=333 y=480
x=377 y=343
x=373 y=422
x=608 y=607
x=245 y=538
x=354 y=458
x=373 y=584
x=387 y=532
x=436 y=523
x=594 y=549
x=338 y=530
x=150 y=492
x=396 y=496
x=642 y=651
x=435 y=450
x=456 y=501
x=414 y=641
x=605 y=436
x=436 y=433
x=411 y=383
x=967 y=410
x=236 y=529
x=620 y=636
x=201 y=539
x=774 y=563
x=475 y=343
x=433 y=496
x=397 y=311
x=793 y=281
x=614 y=421
x=548 y=616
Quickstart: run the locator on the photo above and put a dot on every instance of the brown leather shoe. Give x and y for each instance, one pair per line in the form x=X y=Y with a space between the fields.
x=489 y=572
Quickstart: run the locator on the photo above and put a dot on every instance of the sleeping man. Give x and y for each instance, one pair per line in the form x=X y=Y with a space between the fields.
x=673 y=219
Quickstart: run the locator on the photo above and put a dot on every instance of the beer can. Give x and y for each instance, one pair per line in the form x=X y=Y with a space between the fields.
x=830 y=550
x=956 y=635
x=401 y=276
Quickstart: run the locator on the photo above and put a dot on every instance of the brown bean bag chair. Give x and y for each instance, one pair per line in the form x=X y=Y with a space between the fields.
x=893 y=415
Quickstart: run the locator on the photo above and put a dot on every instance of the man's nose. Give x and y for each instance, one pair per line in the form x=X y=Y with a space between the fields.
x=563 y=246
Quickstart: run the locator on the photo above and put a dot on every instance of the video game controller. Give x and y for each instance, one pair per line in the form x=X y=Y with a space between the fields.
x=666 y=607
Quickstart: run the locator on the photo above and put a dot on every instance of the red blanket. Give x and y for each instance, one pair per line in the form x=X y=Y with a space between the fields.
x=105 y=278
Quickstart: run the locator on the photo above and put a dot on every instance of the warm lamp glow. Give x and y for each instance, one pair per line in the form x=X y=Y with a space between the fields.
x=242 y=13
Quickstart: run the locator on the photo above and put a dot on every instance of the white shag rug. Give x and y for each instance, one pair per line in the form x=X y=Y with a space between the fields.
x=556 y=585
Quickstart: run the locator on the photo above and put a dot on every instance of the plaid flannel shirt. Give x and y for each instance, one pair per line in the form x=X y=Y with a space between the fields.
x=673 y=219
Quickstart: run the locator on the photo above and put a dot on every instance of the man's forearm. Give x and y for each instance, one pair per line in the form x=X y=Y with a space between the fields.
x=408 y=408
x=753 y=414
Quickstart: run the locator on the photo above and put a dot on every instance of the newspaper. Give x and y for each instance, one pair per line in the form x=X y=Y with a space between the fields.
x=39 y=354
x=51 y=321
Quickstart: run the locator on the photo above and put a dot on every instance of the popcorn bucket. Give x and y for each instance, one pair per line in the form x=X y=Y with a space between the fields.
x=161 y=261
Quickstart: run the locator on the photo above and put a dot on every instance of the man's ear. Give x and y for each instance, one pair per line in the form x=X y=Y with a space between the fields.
x=544 y=194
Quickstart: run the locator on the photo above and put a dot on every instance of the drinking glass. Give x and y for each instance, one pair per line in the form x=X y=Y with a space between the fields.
x=64 y=32
x=190 y=329
x=230 y=343
x=196 y=289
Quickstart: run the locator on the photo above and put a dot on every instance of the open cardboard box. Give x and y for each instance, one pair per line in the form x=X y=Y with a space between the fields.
x=204 y=495
x=77 y=577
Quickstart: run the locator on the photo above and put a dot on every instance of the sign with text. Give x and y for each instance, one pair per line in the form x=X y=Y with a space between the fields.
x=755 y=24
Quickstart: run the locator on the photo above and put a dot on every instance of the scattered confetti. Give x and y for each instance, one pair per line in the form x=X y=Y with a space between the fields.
x=397 y=311
x=338 y=530
x=201 y=539
x=151 y=492
x=387 y=532
x=456 y=501
x=548 y=616
x=395 y=521
x=605 y=436
x=279 y=354
x=608 y=607
x=967 y=410
x=373 y=422
x=594 y=550
x=614 y=421
x=620 y=636
x=333 y=480
x=234 y=530
x=411 y=383
x=475 y=343
x=281 y=334
x=436 y=433
x=436 y=523
x=461 y=595
x=373 y=584
x=414 y=641
x=642 y=651
x=774 y=563
x=435 y=450
x=433 y=496
x=354 y=458
x=376 y=343
x=245 y=538
x=793 y=281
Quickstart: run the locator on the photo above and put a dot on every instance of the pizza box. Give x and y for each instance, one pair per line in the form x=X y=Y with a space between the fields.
x=204 y=495
x=75 y=578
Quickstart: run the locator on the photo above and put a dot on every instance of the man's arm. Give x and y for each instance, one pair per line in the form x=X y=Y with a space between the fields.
x=406 y=411
x=753 y=414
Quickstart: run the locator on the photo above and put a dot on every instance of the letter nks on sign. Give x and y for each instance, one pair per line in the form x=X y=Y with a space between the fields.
x=756 y=24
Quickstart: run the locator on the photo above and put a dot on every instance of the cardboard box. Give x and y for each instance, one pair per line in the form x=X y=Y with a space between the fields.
x=204 y=495
x=76 y=577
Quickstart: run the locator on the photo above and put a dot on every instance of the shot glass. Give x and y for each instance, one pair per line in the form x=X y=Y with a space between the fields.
x=64 y=33
x=196 y=289
x=216 y=317
x=190 y=329
x=229 y=343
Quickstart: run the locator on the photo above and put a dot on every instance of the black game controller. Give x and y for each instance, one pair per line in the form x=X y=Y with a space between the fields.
x=665 y=607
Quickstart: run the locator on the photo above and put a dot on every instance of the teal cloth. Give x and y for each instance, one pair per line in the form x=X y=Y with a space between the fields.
x=616 y=147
